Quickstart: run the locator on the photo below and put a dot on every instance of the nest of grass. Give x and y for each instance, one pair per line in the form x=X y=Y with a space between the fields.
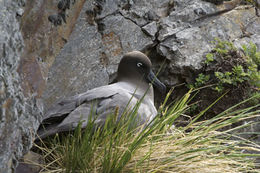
x=204 y=146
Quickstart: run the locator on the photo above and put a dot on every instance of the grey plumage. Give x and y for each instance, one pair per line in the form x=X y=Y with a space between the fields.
x=133 y=83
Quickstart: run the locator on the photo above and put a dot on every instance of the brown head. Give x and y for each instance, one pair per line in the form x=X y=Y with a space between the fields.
x=135 y=67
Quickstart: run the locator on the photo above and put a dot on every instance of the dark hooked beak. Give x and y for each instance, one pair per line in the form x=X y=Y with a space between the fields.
x=158 y=84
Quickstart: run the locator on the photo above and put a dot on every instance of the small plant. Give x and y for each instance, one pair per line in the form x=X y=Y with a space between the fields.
x=252 y=54
x=209 y=58
x=227 y=69
x=253 y=61
x=239 y=75
x=224 y=78
x=200 y=81
x=223 y=47
x=235 y=70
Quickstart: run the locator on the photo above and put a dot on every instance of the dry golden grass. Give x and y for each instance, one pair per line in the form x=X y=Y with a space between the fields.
x=203 y=147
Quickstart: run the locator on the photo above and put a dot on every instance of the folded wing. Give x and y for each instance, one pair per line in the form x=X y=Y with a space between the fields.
x=66 y=114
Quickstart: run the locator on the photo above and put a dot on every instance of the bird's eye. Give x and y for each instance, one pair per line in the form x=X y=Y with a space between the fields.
x=139 y=64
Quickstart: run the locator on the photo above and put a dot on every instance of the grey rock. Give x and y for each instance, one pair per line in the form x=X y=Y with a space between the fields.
x=20 y=12
x=185 y=43
x=107 y=7
x=141 y=12
x=182 y=42
x=77 y=68
x=91 y=55
x=150 y=29
x=19 y=114
x=118 y=39
x=187 y=10
x=31 y=163
x=152 y=16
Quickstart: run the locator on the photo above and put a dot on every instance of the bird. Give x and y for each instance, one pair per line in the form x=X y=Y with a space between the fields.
x=135 y=81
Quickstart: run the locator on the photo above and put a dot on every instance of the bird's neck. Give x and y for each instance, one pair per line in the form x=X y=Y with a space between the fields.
x=139 y=87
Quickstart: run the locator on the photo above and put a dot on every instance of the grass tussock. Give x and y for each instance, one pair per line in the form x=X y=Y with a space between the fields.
x=205 y=146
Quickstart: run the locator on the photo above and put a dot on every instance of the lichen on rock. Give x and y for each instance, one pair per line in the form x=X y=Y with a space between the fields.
x=19 y=114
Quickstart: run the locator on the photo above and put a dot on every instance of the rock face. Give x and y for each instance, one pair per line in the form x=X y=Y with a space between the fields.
x=83 y=51
x=165 y=30
x=19 y=115
x=80 y=67
x=71 y=46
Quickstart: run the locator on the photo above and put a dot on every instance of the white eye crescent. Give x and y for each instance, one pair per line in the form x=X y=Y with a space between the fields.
x=139 y=64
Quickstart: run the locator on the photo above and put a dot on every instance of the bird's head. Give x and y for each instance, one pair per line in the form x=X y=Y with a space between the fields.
x=135 y=67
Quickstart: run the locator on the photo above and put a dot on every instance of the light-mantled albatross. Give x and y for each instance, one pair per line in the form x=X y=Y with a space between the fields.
x=134 y=78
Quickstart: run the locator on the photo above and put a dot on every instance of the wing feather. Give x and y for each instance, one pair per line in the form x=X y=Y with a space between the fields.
x=66 y=114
